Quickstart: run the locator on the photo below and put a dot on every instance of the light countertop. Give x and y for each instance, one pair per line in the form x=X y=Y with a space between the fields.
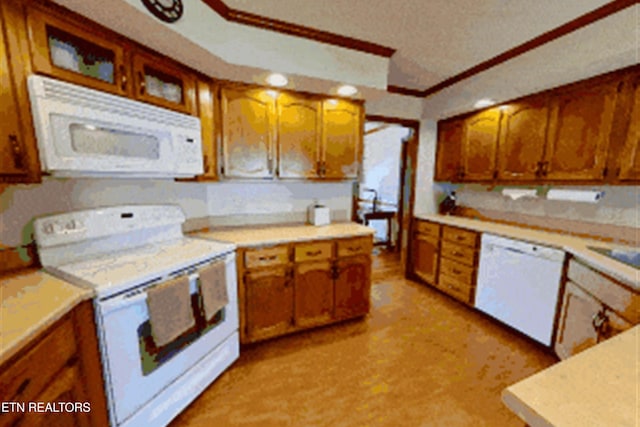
x=30 y=302
x=598 y=387
x=576 y=246
x=275 y=234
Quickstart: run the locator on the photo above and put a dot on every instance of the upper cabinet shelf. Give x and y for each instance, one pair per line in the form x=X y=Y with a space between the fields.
x=586 y=132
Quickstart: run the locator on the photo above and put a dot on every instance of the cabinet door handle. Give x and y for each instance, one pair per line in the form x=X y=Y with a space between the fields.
x=456 y=253
x=123 y=78
x=267 y=258
x=205 y=161
x=456 y=271
x=352 y=249
x=323 y=168
x=16 y=150
x=314 y=253
x=319 y=168
x=598 y=321
x=459 y=238
x=143 y=84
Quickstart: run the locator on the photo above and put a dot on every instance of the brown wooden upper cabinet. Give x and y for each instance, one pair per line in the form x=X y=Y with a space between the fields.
x=267 y=133
x=522 y=139
x=163 y=83
x=479 y=145
x=299 y=142
x=248 y=132
x=65 y=49
x=12 y=156
x=629 y=159
x=448 y=164
x=342 y=134
x=72 y=50
x=579 y=131
x=562 y=135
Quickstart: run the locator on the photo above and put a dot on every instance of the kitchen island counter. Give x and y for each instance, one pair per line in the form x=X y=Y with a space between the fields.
x=30 y=302
x=598 y=387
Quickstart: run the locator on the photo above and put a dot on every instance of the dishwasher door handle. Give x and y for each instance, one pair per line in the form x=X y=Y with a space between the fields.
x=517 y=251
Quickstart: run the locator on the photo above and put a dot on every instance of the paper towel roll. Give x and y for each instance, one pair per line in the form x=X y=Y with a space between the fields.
x=518 y=193
x=587 y=196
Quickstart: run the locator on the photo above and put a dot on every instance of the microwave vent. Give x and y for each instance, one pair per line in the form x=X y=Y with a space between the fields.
x=89 y=98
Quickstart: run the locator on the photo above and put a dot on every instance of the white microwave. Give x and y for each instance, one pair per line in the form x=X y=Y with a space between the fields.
x=84 y=132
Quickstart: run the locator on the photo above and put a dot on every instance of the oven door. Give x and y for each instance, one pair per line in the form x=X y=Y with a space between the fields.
x=136 y=371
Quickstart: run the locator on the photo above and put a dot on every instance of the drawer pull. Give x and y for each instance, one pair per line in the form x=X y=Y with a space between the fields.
x=456 y=253
x=268 y=258
x=356 y=249
x=455 y=288
x=314 y=253
x=23 y=386
x=456 y=271
x=459 y=237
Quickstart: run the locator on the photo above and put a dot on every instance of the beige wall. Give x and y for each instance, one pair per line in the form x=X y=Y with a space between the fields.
x=267 y=201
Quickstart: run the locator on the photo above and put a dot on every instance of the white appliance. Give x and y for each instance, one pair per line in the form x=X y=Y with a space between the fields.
x=121 y=252
x=519 y=284
x=85 y=132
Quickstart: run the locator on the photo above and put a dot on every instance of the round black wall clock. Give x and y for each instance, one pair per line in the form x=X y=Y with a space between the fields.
x=165 y=10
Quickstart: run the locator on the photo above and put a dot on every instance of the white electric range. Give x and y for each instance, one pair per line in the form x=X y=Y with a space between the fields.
x=121 y=252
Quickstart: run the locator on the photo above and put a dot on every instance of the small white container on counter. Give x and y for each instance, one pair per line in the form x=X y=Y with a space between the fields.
x=318 y=215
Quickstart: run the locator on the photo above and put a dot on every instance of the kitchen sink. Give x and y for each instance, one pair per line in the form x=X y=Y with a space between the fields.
x=629 y=256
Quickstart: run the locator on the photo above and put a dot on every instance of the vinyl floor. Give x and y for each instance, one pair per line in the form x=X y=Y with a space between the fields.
x=419 y=358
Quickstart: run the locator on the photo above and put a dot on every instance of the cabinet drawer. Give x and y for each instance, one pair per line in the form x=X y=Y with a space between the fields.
x=460 y=236
x=612 y=294
x=313 y=251
x=266 y=257
x=460 y=291
x=25 y=379
x=428 y=228
x=460 y=253
x=358 y=246
x=454 y=270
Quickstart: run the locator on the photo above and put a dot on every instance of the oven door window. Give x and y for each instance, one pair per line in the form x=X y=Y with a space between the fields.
x=152 y=356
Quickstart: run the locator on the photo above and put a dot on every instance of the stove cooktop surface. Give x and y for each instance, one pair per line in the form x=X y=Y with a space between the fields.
x=117 y=272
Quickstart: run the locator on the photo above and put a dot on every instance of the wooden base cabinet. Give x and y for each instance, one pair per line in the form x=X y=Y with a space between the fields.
x=425 y=250
x=291 y=287
x=63 y=365
x=594 y=308
x=268 y=296
x=313 y=300
x=446 y=258
x=352 y=287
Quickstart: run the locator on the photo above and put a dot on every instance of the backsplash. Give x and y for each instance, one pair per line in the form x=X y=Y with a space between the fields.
x=210 y=203
x=616 y=212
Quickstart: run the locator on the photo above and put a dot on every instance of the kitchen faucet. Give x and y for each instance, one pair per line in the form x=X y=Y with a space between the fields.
x=375 y=198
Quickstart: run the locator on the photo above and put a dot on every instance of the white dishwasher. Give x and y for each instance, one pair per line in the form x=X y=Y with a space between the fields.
x=519 y=284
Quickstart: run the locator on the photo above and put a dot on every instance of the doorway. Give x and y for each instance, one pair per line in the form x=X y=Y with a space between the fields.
x=383 y=196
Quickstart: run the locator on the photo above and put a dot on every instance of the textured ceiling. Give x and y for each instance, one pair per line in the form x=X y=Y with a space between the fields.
x=434 y=39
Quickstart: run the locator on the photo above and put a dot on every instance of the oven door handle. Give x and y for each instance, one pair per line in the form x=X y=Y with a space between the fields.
x=122 y=301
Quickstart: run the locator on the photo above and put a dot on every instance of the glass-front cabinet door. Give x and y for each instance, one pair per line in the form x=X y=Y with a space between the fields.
x=164 y=83
x=71 y=52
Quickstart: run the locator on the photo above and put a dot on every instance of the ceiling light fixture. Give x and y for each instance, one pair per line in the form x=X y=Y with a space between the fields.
x=277 y=80
x=485 y=102
x=347 y=90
